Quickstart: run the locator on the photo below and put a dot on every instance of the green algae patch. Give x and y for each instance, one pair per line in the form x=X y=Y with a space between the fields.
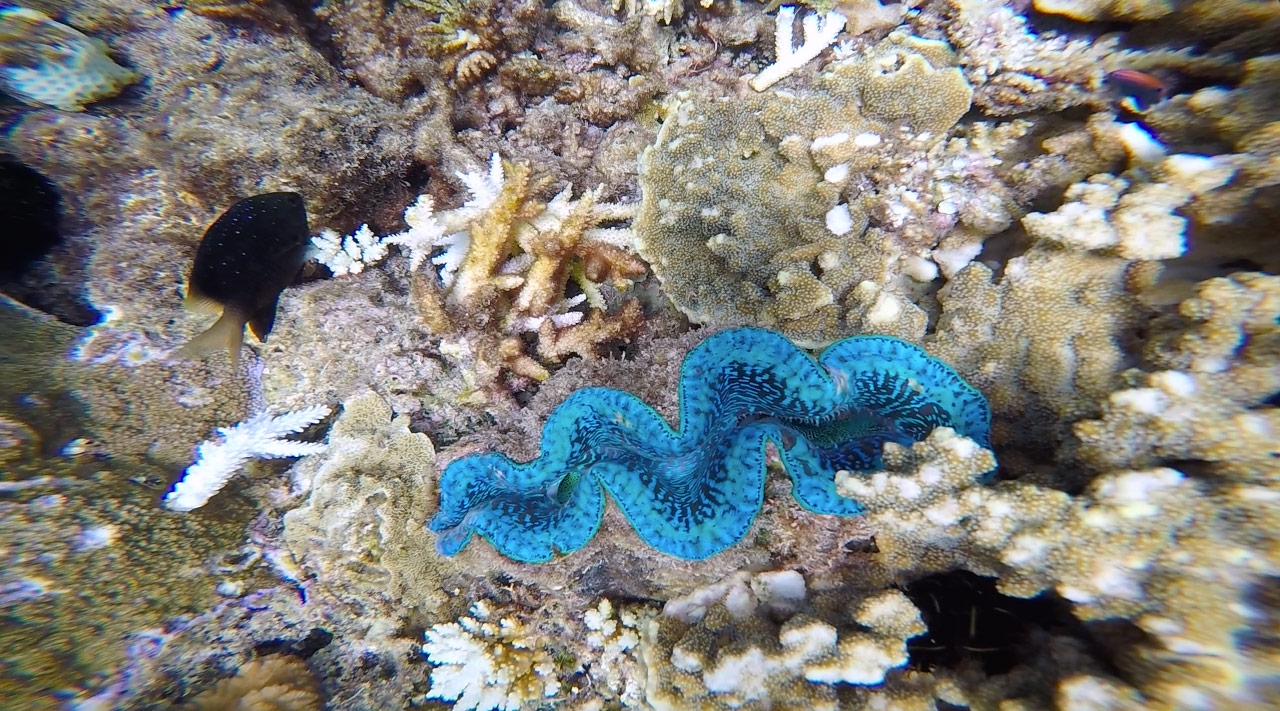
x=91 y=563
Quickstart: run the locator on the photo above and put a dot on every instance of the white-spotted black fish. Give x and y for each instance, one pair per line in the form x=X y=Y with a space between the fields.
x=247 y=257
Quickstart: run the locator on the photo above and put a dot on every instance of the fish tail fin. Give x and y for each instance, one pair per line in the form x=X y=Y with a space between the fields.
x=227 y=331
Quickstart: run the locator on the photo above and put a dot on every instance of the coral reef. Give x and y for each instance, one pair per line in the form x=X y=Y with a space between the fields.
x=971 y=176
x=507 y=263
x=754 y=208
x=695 y=491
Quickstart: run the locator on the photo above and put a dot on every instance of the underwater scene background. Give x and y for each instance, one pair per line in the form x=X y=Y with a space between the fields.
x=639 y=354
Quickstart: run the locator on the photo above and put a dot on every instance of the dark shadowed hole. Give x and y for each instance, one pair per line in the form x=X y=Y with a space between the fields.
x=303 y=648
x=968 y=620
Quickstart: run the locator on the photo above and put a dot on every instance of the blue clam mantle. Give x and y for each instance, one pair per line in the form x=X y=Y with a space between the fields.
x=693 y=492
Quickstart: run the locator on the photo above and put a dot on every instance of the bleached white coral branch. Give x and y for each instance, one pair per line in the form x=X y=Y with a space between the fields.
x=426 y=232
x=429 y=231
x=348 y=255
x=483 y=665
x=257 y=437
x=484 y=187
x=819 y=33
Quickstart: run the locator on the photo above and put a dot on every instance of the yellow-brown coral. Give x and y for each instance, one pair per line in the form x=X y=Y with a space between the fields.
x=521 y=257
x=274 y=683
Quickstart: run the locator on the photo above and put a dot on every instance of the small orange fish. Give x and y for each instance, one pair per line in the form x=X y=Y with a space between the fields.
x=1144 y=89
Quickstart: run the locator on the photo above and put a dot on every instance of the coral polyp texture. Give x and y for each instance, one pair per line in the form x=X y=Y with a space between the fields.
x=695 y=491
x=754 y=207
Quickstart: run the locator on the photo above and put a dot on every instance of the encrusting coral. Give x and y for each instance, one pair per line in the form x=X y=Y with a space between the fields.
x=692 y=493
x=760 y=641
x=754 y=207
x=374 y=470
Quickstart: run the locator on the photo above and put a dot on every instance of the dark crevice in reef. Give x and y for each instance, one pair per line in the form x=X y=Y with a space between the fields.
x=303 y=648
x=970 y=621
x=318 y=32
x=37 y=268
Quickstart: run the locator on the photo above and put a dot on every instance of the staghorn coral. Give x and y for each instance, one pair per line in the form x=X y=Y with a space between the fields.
x=1228 y=321
x=484 y=662
x=820 y=32
x=260 y=436
x=274 y=683
x=737 y=213
x=831 y=413
x=508 y=263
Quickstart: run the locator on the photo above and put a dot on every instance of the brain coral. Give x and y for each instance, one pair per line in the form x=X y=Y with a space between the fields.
x=754 y=207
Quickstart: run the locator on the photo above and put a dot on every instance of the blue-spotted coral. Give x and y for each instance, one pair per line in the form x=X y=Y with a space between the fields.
x=695 y=491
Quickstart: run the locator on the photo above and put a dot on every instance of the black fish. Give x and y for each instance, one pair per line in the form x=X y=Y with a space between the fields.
x=32 y=209
x=247 y=257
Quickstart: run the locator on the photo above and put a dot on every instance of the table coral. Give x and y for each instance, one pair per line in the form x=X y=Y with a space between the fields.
x=692 y=493
x=737 y=194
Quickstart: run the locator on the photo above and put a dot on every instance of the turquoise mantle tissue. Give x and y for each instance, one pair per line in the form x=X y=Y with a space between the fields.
x=695 y=491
